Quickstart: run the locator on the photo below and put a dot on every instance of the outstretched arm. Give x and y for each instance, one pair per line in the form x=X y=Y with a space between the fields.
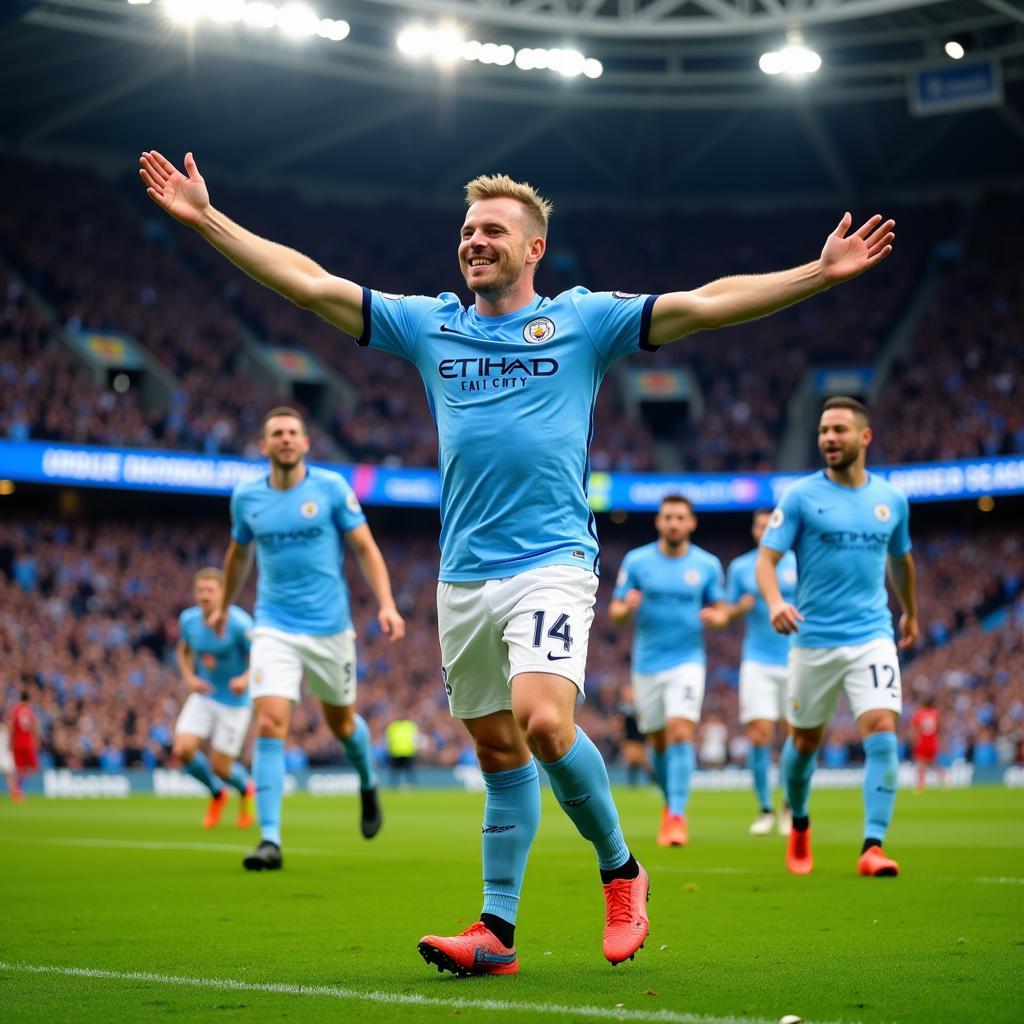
x=735 y=300
x=287 y=271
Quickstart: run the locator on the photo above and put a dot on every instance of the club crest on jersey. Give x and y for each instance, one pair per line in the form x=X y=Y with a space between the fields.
x=625 y=295
x=789 y=576
x=882 y=513
x=777 y=519
x=353 y=503
x=692 y=577
x=309 y=509
x=536 y=332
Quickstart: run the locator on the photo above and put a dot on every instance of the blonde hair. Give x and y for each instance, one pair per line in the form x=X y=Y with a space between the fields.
x=209 y=573
x=501 y=186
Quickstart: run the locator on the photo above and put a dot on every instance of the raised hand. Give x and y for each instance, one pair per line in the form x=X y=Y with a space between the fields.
x=184 y=198
x=845 y=256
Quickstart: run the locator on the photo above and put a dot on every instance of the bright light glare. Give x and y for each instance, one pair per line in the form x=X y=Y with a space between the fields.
x=593 y=68
x=333 y=30
x=225 y=10
x=298 y=21
x=184 y=12
x=794 y=60
x=954 y=49
x=415 y=40
x=139 y=3
x=261 y=15
x=447 y=44
x=505 y=55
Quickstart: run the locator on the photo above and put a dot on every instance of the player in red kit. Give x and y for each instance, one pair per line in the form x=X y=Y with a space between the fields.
x=24 y=730
x=924 y=732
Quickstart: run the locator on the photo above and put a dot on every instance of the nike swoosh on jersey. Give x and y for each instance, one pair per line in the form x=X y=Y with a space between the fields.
x=459 y=334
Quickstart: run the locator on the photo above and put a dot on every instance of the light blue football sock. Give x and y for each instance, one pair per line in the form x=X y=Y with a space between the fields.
x=268 y=771
x=511 y=818
x=359 y=751
x=239 y=777
x=797 y=770
x=760 y=763
x=199 y=768
x=580 y=782
x=681 y=761
x=881 y=774
x=659 y=758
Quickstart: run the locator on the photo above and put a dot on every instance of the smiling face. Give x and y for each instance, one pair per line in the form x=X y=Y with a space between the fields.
x=498 y=247
x=843 y=437
x=285 y=441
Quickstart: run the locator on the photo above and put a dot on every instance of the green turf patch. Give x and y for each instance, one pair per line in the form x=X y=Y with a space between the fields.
x=172 y=927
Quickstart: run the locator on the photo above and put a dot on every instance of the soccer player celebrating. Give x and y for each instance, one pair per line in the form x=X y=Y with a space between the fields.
x=672 y=588
x=218 y=708
x=298 y=516
x=762 y=667
x=845 y=526
x=511 y=382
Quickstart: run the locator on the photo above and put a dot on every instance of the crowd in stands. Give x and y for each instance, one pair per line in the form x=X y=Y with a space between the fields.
x=956 y=393
x=88 y=624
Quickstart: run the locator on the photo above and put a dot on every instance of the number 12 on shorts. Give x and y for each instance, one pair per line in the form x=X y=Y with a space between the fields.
x=559 y=630
x=883 y=677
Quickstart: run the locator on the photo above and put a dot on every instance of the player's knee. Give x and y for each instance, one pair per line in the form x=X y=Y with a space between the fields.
x=679 y=730
x=183 y=751
x=806 y=743
x=548 y=732
x=270 y=725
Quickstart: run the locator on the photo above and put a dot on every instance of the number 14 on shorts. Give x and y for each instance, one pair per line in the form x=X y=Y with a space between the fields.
x=559 y=630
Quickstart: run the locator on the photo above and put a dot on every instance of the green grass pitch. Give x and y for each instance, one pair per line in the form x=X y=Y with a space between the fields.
x=137 y=892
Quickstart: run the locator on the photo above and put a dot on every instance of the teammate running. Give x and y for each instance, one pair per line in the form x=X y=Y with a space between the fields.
x=511 y=382
x=218 y=709
x=762 y=669
x=845 y=525
x=672 y=588
x=298 y=516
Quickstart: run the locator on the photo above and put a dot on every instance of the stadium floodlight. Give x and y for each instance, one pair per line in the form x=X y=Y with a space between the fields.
x=447 y=43
x=504 y=55
x=224 y=10
x=297 y=21
x=184 y=12
x=415 y=40
x=139 y=3
x=332 y=29
x=261 y=15
x=954 y=49
x=794 y=60
x=593 y=68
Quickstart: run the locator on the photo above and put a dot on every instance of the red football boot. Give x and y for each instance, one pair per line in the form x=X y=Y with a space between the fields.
x=875 y=863
x=476 y=951
x=799 y=858
x=625 y=921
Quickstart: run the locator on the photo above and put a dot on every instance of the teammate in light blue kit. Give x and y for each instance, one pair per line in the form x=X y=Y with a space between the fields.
x=845 y=526
x=297 y=516
x=762 y=668
x=512 y=382
x=219 y=708
x=671 y=588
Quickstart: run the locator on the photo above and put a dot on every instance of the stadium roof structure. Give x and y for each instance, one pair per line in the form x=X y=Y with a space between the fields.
x=681 y=113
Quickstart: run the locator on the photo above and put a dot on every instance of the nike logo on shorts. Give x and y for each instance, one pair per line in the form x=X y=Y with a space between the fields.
x=562 y=657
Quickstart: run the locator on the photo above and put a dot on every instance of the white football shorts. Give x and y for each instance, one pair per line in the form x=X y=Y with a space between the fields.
x=278 y=660
x=673 y=693
x=494 y=630
x=869 y=675
x=762 y=692
x=223 y=725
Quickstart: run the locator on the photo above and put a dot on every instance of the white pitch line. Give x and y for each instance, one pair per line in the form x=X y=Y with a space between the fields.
x=391 y=998
x=141 y=844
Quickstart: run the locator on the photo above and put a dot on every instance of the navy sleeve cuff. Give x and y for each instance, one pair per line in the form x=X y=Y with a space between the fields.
x=645 y=324
x=364 y=338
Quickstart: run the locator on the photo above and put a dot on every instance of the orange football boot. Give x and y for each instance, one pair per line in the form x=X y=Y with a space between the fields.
x=214 y=808
x=476 y=951
x=245 y=815
x=799 y=858
x=875 y=863
x=625 y=920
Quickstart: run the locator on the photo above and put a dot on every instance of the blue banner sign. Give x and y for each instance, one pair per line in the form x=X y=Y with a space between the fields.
x=189 y=473
x=950 y=87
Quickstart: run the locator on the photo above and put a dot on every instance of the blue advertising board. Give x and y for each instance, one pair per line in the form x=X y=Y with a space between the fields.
x=172 y=472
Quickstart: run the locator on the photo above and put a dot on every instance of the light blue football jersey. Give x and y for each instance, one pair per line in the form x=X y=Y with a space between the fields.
x=842 y=537
x=299 y=536
x=667 y=630
x=218 y=659
x=513 y=400
x=761 y=643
